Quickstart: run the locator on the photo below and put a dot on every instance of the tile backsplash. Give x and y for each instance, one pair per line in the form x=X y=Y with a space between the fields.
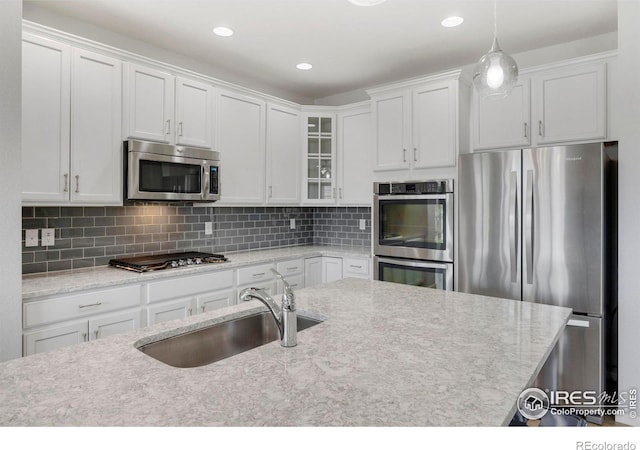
x=91 y=236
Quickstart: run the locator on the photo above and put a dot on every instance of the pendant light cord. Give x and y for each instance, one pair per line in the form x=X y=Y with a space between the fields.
x=495 y=20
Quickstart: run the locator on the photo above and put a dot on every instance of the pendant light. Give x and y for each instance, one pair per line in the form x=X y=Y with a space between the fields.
x=496 y=73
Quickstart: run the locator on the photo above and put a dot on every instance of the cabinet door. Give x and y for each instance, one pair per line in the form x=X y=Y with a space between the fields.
x=171 y=310
x=320 y=159
x=241 y=143
x=571 y=104
x=151 y=104
x=283 y=155
x=111 y=324
x=435 y=125
x=312 y=271
x=215 y=300
x=332 y=269
x=96 y=128
x=55 y=337
x=45 y=120
x=355 y=150
x=503 y=122
x=193 y=113
x=392 y=130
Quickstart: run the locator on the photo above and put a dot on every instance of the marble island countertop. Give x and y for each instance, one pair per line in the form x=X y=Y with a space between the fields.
x=386 y=355
x=64 y=282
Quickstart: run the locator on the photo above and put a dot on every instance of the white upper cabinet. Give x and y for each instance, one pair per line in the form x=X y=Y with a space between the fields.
x=355 y=156
x=416 y=125
x=571 y=104
x=96 y=128
x=241 y=143
x=392 y=130
x=151 y=104
x=435 y=128
x=46 y=99
x=72 y=118
x=193 y=113
x=549 y=106
x=283 y=155
x=503 y=122
x=169 y=109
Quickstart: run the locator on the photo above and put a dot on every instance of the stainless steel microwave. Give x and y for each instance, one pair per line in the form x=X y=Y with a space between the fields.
x=154 y=171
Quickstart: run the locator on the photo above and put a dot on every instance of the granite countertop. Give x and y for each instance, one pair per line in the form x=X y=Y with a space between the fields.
x=386 y=355
x=67 y=281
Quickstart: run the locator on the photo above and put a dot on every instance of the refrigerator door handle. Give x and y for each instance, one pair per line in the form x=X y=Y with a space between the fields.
x=578 y=323
x=513 y=225
x=529 y=216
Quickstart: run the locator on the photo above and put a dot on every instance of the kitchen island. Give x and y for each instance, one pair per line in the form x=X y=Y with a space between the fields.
x=386 y=355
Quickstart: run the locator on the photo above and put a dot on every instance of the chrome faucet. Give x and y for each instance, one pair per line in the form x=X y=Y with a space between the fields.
x=285 y=316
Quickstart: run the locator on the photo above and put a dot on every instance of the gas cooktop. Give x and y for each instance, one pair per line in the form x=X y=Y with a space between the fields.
x=168 y=261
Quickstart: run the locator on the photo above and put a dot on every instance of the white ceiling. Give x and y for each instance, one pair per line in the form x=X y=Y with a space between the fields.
x=350 y=47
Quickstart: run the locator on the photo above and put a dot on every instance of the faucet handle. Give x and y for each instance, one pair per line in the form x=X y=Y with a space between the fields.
x=288 y=297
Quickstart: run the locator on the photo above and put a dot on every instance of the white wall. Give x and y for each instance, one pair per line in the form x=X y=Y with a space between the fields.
x=627 y=117
x=10 y=219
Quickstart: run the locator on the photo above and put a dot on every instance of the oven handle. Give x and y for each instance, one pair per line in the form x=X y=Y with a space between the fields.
x=423 y=264
x=447 y=196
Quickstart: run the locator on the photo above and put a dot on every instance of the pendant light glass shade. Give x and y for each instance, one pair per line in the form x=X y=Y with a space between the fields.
x=496 y=73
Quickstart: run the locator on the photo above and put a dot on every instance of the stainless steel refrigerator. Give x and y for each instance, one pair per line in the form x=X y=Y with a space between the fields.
x=538 y=225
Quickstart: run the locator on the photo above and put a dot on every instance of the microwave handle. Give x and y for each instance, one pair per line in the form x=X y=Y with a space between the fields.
x=207 y=181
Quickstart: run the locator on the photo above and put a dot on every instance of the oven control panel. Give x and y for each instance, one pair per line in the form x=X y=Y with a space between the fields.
x=414 y=188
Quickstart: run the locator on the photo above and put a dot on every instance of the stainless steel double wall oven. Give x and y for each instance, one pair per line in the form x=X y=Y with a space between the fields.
x=413 y=233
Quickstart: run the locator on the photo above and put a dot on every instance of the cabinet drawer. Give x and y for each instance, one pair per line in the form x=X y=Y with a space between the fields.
x=74 y=306
x=292 y=267
x=249 y=276
x=356 y=267
x=189 y=285
x=296 y=282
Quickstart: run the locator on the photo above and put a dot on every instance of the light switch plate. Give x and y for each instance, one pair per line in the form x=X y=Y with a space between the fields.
x=292 y=224
x=208 y=228
x=363 y=224
x=31 y=238
x=48 y=237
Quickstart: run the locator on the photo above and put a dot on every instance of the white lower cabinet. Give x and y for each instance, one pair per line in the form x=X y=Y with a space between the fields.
x=293 y=272
x=356 y=268
x=60 y=321
x=179 y=298
x=322 y=269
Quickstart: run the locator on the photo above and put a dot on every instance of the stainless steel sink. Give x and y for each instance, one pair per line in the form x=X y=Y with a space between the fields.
x=219 y=341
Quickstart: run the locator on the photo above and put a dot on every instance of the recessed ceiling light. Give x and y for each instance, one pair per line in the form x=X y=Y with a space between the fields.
x=304 y=66
x=367 y=2
x=452 y=21
x=223 y=31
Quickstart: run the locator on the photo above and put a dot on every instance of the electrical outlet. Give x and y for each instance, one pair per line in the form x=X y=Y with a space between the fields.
x=363 y=224
x=292 y=224
x=31 y=238
x=48 y=237
x=208 y=228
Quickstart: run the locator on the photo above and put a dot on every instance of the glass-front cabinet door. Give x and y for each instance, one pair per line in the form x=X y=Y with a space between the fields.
x=320 y=145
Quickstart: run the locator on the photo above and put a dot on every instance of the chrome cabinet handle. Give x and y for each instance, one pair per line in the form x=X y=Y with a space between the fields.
x=529 y=217
x=261 y=274
x=415 y=154
x=202 y=307
x=355 y=267
x=339 y=192
x=66 y=182
x=404 y=155
x=270 y=191
x=539 y=127
x=84 y=337
x=180 y=129
x=96 y=333
x=334 y=193
x=513 y=225
x=526 y=131
x=92 y=304
x=168 y=130
x=77 y=184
